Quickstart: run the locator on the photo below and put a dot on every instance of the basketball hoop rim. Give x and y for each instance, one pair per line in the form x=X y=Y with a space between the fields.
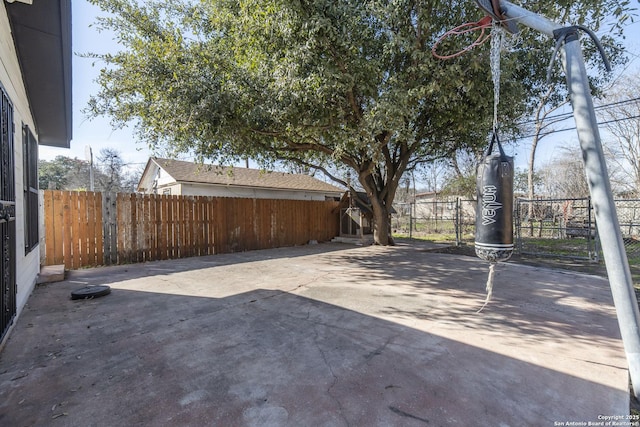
x=467 y=27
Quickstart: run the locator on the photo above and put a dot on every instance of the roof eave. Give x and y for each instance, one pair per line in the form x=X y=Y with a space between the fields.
x=42 y=37
x=147 y=177
x=259 y=188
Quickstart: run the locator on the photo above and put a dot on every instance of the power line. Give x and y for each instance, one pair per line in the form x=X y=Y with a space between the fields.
x=574 y=128
x=565 y=116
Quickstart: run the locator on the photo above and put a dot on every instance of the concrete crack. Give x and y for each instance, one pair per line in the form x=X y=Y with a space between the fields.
x=305 y=283
x=378 y=351
x=407 y=415
x=333 y=374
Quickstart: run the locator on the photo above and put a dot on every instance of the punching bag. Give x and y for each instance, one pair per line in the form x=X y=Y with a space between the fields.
x=494 y=214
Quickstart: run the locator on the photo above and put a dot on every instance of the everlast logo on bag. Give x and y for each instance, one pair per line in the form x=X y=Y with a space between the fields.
x=489 y=204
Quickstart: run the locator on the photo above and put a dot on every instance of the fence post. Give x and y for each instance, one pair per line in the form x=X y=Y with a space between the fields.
x=410 y=220
x=106 y=248
x=589 y=219
x=109 y=228
x=518 y=219
x=41 y=228
x=457 y=222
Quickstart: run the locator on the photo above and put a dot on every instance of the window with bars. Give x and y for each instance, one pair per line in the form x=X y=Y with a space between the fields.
x=30 y=167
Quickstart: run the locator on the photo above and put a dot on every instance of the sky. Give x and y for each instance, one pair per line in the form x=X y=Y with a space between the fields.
x=98 y=133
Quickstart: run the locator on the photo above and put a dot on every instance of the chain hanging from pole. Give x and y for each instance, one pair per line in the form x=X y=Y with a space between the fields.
x=497 y=41
x=494 y=215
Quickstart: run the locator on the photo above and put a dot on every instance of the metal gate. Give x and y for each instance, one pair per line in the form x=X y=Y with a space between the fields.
x=559 y=228
x=8 y=287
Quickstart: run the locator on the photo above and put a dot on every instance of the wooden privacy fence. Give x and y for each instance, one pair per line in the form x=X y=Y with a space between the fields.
x=88 y=229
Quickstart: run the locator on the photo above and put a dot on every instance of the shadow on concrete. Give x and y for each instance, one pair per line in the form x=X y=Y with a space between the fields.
x=272 y=358
x=526 y=300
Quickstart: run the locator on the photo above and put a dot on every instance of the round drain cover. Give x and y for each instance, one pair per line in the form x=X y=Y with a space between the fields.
x=91 y=292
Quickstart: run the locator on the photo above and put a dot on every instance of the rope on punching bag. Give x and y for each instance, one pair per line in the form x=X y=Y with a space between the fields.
x=489 y=287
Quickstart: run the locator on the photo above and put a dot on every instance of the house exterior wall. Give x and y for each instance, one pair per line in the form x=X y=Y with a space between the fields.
x=27 y=266
x=163 y=178
x=243 y=192
x=442 y=207
x=156 y=180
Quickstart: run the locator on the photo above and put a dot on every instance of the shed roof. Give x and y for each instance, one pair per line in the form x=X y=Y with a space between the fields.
x=190 y=172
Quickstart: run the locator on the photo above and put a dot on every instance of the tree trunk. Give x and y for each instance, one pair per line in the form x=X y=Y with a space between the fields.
x=540 y=116
x=381 y=183
x=381 y=227
x=381 y=201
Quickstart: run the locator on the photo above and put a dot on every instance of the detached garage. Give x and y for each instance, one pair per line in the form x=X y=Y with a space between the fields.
x=176 y=177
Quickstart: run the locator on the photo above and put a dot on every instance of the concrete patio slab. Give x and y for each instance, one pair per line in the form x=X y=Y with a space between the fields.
x=321 y=335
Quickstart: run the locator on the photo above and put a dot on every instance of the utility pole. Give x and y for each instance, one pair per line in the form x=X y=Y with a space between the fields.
x=615 y=256
x=88 y=154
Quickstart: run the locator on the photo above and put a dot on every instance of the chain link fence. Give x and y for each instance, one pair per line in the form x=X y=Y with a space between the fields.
x=445 y=219
x=629 y=218
x=559 y=228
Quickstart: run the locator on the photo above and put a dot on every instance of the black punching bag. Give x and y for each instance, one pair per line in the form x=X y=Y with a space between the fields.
x=494 y=214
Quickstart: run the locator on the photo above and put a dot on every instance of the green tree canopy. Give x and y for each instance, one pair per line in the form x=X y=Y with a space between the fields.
x=317 y=82
x=65 y=173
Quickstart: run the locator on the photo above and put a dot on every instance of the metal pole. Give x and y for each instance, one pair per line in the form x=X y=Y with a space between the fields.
x=615 y=256
x=590 y=225
x=91 y=179
x=410 y=221
x=88 y=154
x=457 y=220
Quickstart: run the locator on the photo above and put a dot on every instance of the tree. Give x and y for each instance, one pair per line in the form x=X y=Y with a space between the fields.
x=434 y=174
x=131 y=180
x=111 y=165
x=523 y=180
x=112 y=175
x=460 y=178
x=314 y=82
x=565 y=176
x=63 y=173
x=51 y=175
x=547 y=105
x=550 y=100
x=621 y=117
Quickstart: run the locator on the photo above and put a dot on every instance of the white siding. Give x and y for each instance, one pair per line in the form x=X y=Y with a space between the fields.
x=163 y=178
x=247 y=192
x=27 y=267
x=165 y=183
